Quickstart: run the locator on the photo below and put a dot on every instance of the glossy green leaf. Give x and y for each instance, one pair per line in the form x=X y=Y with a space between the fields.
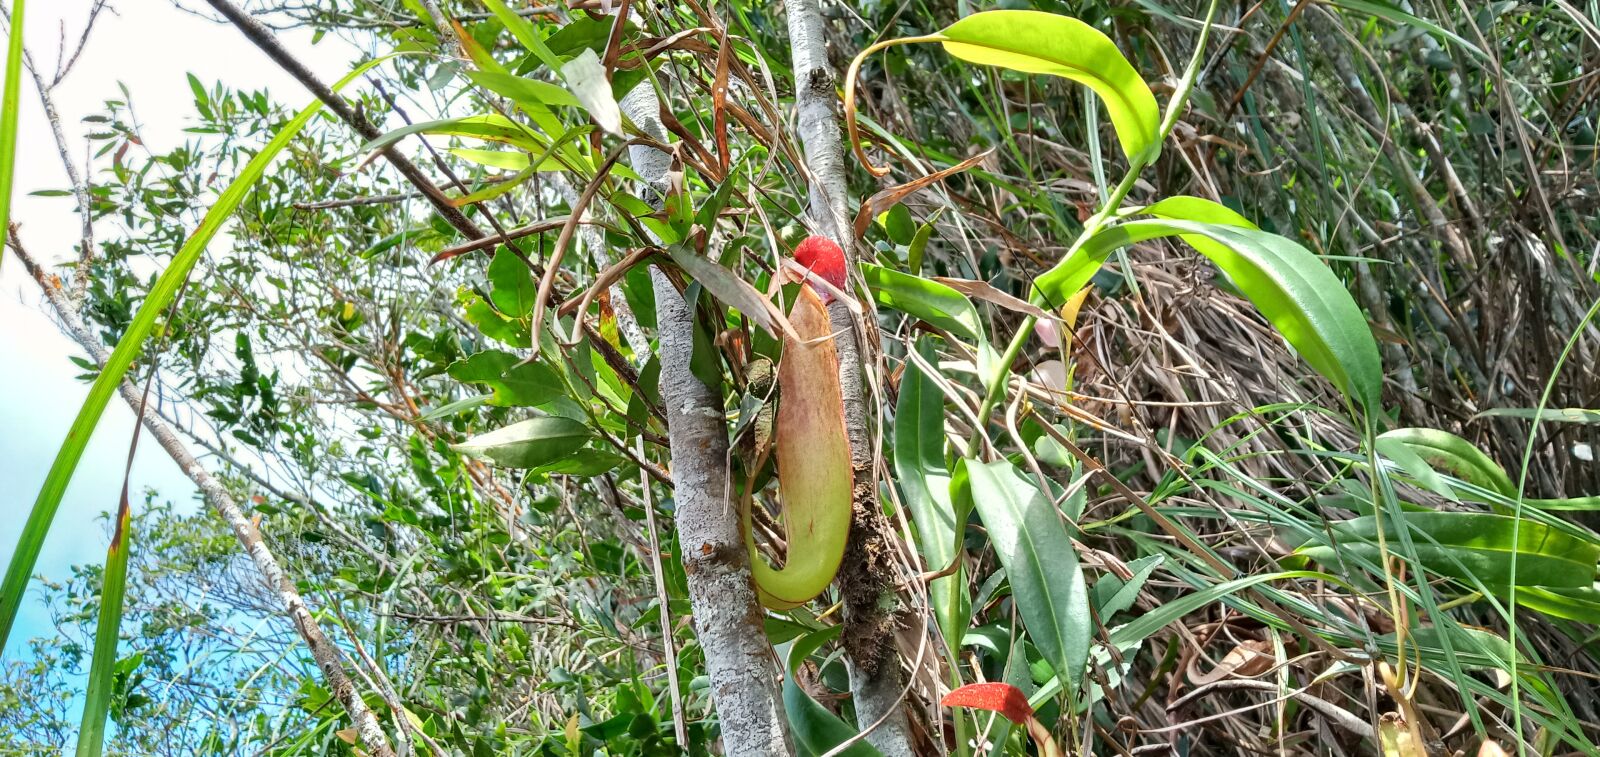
x=102 y=667
x=530 y=444
x=1414 y=465
x=1472 y=546
x=480 y=313
x=1299 y=295
x=938 y=304
x=924 y=479
x=815 y=729
x=1580 y=603
x=1047 y=43
x=1032 y=542
x=512 y=288
x=1454 y=455
x=515 y=383
x=128 y=348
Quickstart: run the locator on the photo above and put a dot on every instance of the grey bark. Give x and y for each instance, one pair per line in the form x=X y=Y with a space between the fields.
x=326 y=654
x=727 y=617
x=866 y=579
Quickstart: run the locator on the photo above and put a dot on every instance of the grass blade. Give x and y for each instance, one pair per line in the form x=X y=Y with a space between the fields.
x=9 y=106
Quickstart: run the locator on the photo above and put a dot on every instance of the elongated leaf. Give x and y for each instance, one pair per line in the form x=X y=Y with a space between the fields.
x=10 y=110
x=587 y=78
x=128 y=348
x=1456 y=456
x=1003 y=698
x=1046 y=579
x=1302 y=299
x=489 y=127
x=815 y=729
x=726 y=286
x=1552 y=414
x=1580 y=603
x=530 y=444
x=924 y=479
x=1415 y=466
x=813 y=450
x=1046 y=43
x=102 y=668
x=930 y=301
x=1473 y=546
x=523 y=90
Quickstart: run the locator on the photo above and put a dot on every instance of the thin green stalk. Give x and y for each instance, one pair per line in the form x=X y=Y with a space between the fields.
x=127 y=350
x=102 y=671
x=9 y=105
x=1516 y=523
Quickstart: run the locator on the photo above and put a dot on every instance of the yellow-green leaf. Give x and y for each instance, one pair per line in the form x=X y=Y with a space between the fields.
x=1045 y=43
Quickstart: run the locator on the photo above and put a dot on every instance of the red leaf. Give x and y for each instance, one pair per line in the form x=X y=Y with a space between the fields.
x=1003 y=698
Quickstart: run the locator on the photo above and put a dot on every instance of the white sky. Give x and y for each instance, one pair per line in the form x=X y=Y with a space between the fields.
x=150 y=46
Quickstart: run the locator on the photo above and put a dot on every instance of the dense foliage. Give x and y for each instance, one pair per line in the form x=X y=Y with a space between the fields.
x=1239 y=411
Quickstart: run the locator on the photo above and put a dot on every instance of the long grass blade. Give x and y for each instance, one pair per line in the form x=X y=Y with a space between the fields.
x=8 y=121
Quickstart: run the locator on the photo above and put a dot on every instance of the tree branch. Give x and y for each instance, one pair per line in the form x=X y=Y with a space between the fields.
x=327 y=655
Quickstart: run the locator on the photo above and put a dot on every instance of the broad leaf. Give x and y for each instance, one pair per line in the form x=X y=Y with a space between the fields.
x=523 y=90
x=515 y=383
x=1472 y=546
x=1046 y=43
x=1452 y=454
x=1041 y=563
x=938 y=304
x=512 y=288
x=530 y=444
x=727 y=287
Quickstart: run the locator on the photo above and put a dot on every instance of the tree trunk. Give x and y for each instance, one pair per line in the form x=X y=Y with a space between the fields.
x=868 y=576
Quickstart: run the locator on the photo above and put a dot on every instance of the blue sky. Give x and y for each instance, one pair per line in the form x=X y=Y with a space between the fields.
x=39 y=394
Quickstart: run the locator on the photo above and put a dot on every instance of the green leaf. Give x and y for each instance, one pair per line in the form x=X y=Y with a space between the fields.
x=1112 y=595
x=128 y=348
x=522 y=90
x=938 y=304
x=815 y=729
x=514 y=384
x=451 y=408
x=924 y=479
x=1041 y=563
x=1456 y=456
x=489 y=127
x=1299 y=295
x=1551 y=414
x=1415 y=466
x=1580 y=603
x=1471 y=546
x=102 y=668
x=480 y=313
x=727 y=287
x=1046 y=43
x=585 y=463
x=530 y=444
x=512 y=288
